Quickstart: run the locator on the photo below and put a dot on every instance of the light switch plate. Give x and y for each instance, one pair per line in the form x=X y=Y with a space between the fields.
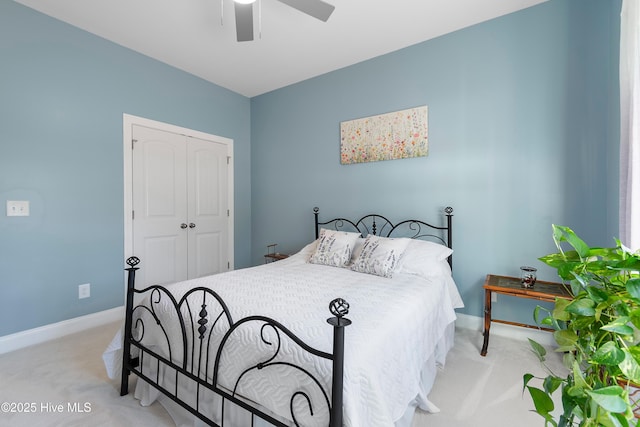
x=17 y=208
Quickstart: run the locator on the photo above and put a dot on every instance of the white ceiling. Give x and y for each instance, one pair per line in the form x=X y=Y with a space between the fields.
x=198 y=36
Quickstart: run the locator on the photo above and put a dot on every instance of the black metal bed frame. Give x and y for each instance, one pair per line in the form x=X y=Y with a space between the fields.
x=194 y=363
x=378 y=225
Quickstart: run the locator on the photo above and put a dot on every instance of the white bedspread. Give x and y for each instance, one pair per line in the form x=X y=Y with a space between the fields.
x=396 y=326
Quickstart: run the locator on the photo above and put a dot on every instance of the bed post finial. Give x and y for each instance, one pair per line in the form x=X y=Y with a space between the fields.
x=126 y=345
x=449 y=212
x=339 y=308
x=132 y=261
x=315 y=213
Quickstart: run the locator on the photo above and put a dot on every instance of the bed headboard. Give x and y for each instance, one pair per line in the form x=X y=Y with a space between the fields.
x=380 y=226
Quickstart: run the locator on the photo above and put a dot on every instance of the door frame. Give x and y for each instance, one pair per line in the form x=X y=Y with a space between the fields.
x=128 y=121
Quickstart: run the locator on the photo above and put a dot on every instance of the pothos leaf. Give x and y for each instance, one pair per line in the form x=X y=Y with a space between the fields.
x=541 y=400
x=563 y=233
x=609 y=398
x=634 y=315
x=578 y=378
x=630 y=367
x=597 y=294
x=565 y=338
x=559 y=310
x=582 y=307
x=551 y=383
x=608 y=354
x=619 y=326
x=538 y=312
x=538 y=350
x=525 y=380
x=633 y=287
x=612 y=419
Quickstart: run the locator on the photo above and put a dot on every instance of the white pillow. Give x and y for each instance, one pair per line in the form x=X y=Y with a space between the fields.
x=308 y=250
x=379 y=255
x=334 y=248
x=424 y=258
x=357 y=249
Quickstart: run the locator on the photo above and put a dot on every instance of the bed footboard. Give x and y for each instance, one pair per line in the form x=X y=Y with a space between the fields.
x=189 y=349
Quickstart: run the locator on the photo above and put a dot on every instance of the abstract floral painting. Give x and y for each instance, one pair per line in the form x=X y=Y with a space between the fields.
x=398 y=135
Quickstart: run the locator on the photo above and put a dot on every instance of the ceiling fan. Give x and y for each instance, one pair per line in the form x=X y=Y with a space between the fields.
x=244 y=14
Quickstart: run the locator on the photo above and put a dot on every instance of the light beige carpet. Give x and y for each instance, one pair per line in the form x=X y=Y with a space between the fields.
x=64 y=383
x=476 y=391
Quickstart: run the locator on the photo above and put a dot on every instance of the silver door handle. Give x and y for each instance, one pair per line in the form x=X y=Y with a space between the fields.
x=192 y=225
x=183 y=225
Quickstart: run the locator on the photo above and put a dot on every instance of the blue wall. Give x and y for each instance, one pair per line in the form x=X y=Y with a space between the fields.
x=523 y=117
x=523 y=133
x=62 y=96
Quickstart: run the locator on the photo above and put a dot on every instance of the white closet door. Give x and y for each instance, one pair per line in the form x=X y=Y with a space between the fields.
x=160 y=228
x=208 y=209
x=178 y=201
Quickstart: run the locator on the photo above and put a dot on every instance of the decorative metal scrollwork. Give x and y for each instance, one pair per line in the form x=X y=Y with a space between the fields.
x=274 y=335
x=448 y=210
x=293 y=415
x=133 y=261
x=203 y=321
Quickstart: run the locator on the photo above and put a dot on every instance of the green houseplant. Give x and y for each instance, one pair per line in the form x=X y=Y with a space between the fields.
x=598 y=332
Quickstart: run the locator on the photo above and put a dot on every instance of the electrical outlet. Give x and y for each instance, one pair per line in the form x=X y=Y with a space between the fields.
x=84 y=291
x=494 y=297
x=17 y=208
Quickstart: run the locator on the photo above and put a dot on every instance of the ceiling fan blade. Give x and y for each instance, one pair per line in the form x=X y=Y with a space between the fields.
x=316 y=8
x=244 y=22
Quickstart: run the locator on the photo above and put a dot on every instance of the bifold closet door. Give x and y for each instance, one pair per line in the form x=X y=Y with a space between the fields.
x=208 y=210
x=179 y=205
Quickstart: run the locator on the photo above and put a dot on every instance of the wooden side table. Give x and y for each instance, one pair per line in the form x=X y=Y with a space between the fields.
x=542 y=291
x=272 y=255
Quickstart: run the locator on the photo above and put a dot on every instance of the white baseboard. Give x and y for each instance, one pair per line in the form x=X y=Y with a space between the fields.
x=56 y=330
x=515 y=332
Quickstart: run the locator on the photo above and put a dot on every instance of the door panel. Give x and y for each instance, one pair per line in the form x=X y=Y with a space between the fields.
x=159 y=205
x=208 y=208
x=207 y=243
x=163 y=190
x=162 y=248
